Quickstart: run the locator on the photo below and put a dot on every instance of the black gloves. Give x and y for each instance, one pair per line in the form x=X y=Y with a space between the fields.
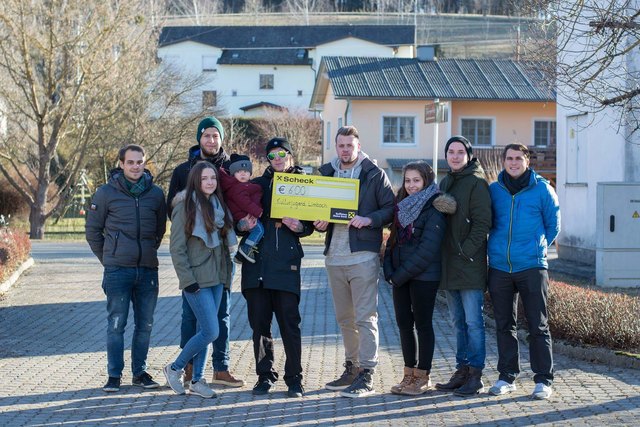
x=192 y=289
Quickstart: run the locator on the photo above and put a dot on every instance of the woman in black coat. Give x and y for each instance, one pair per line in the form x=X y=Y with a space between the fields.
x=271 y=285
x=412 y=265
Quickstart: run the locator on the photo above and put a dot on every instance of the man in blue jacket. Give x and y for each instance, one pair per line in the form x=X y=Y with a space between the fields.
x=526 y=220
x=124 y=228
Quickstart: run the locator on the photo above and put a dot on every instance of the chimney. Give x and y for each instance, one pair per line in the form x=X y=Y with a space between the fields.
x=427 y=52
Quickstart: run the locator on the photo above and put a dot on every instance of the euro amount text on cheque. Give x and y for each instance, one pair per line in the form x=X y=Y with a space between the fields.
x=315 y=192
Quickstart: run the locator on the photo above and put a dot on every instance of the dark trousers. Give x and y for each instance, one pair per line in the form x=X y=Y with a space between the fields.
x=262 y=304
x=532 y=286
x=413 y=303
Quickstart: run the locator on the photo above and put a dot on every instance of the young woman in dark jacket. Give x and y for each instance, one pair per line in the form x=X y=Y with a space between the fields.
x=412 y=265
x=271 y=285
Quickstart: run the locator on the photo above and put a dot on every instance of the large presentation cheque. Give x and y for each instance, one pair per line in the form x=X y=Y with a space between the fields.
x=313 y=197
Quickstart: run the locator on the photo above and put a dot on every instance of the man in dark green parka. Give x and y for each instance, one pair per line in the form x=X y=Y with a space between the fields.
x=464 y=263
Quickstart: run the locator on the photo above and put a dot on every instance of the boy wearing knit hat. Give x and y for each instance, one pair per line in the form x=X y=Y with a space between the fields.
x=244 y=199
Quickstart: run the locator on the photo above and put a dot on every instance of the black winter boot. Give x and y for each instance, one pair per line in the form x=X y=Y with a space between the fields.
x=473 y=385
x=457 y=380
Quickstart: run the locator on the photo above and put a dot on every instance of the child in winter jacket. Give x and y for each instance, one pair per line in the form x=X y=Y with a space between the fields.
x=244 y=200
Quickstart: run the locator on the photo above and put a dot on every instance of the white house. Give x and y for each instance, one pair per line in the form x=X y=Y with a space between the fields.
x=271 y=67
x=594 y=148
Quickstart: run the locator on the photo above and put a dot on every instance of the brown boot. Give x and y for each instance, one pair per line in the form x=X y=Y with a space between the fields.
x=420 y=385
x=188 y=375
x=225 y=378
x=457 y=379
x=406 y=380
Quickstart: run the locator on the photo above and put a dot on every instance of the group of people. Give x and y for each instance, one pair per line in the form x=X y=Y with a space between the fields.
x=438 y=240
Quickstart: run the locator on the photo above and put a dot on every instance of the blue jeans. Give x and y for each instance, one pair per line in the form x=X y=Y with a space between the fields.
x=221 y=344
x=465 y=310
x=204 y=304
x=124 y=285
x=255 y=234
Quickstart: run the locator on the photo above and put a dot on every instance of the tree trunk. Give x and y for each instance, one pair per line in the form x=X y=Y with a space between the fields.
x=36 y=222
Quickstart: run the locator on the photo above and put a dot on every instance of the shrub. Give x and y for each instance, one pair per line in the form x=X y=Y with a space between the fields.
x=586 y=316
x=589 y=316
x=14 y=249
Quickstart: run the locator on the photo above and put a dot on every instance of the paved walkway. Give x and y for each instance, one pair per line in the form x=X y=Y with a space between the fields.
x=53 y=364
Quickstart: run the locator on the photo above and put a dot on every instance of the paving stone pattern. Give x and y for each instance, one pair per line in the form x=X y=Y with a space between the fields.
x=53 y=364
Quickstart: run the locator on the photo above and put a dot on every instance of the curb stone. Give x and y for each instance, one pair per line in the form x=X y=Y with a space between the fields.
x=4 y=287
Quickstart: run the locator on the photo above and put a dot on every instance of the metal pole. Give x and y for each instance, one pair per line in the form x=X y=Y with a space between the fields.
x=434 y=165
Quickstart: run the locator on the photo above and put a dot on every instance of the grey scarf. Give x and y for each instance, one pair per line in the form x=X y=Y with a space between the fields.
x=410 y=207
x=211 y=240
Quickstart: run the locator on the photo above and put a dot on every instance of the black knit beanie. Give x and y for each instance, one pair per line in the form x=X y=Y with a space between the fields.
x=462 y=140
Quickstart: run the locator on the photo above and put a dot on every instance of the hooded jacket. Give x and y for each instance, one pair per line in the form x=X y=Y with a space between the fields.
x=280 y=253
x=376 y=201
x=181 y=172
x=420 y=257
x=242 y=198
x=123 y=230
x=524 y=224
x=193 y=261
x=464 y=249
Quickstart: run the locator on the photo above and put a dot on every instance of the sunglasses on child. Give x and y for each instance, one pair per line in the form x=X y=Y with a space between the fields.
x=282 y=154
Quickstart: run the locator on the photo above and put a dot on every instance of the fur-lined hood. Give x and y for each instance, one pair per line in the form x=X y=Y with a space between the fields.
x=180 y=197
x=445 y=203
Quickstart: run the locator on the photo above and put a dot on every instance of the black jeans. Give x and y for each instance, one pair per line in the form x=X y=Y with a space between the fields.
x=413 y=303
x=262 y=304
x=532 y=286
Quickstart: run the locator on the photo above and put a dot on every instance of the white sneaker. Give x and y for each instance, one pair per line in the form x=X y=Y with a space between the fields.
x=541 y=391
x=174 y=379
x=502 y=387
x=202 y=389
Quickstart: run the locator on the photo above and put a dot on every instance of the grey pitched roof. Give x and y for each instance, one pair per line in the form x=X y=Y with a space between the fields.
x=302 y=36
x=409 y=78
x=399 y=163
x=265 y=56
x=263 y=104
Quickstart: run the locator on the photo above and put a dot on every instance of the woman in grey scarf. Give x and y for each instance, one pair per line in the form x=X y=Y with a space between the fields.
x=412 y=267
x=201 y=234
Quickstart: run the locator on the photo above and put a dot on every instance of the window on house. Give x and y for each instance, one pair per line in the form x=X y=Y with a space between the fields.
x=209 y=98
x=398 y=130
x=299 y=93
x=234 y=93
x=208 y=63
x=478 y=131
x=544 y=133
x=266 y=81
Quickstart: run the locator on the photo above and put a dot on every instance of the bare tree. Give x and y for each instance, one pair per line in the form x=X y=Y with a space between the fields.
x=303 y=132
x=305 y=8
x=596 y=44
x=77 y=78
x=198 y=10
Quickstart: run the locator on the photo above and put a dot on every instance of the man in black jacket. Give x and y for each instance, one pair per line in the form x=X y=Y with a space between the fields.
x=210 y=136
x=272 y=284
x=124 y=228
x=353 y=262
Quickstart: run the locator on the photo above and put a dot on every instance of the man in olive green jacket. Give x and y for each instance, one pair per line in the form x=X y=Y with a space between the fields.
x=464 y=263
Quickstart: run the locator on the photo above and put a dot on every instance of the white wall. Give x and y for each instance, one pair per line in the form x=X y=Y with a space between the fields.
x=592 y=148
x=244 y=79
